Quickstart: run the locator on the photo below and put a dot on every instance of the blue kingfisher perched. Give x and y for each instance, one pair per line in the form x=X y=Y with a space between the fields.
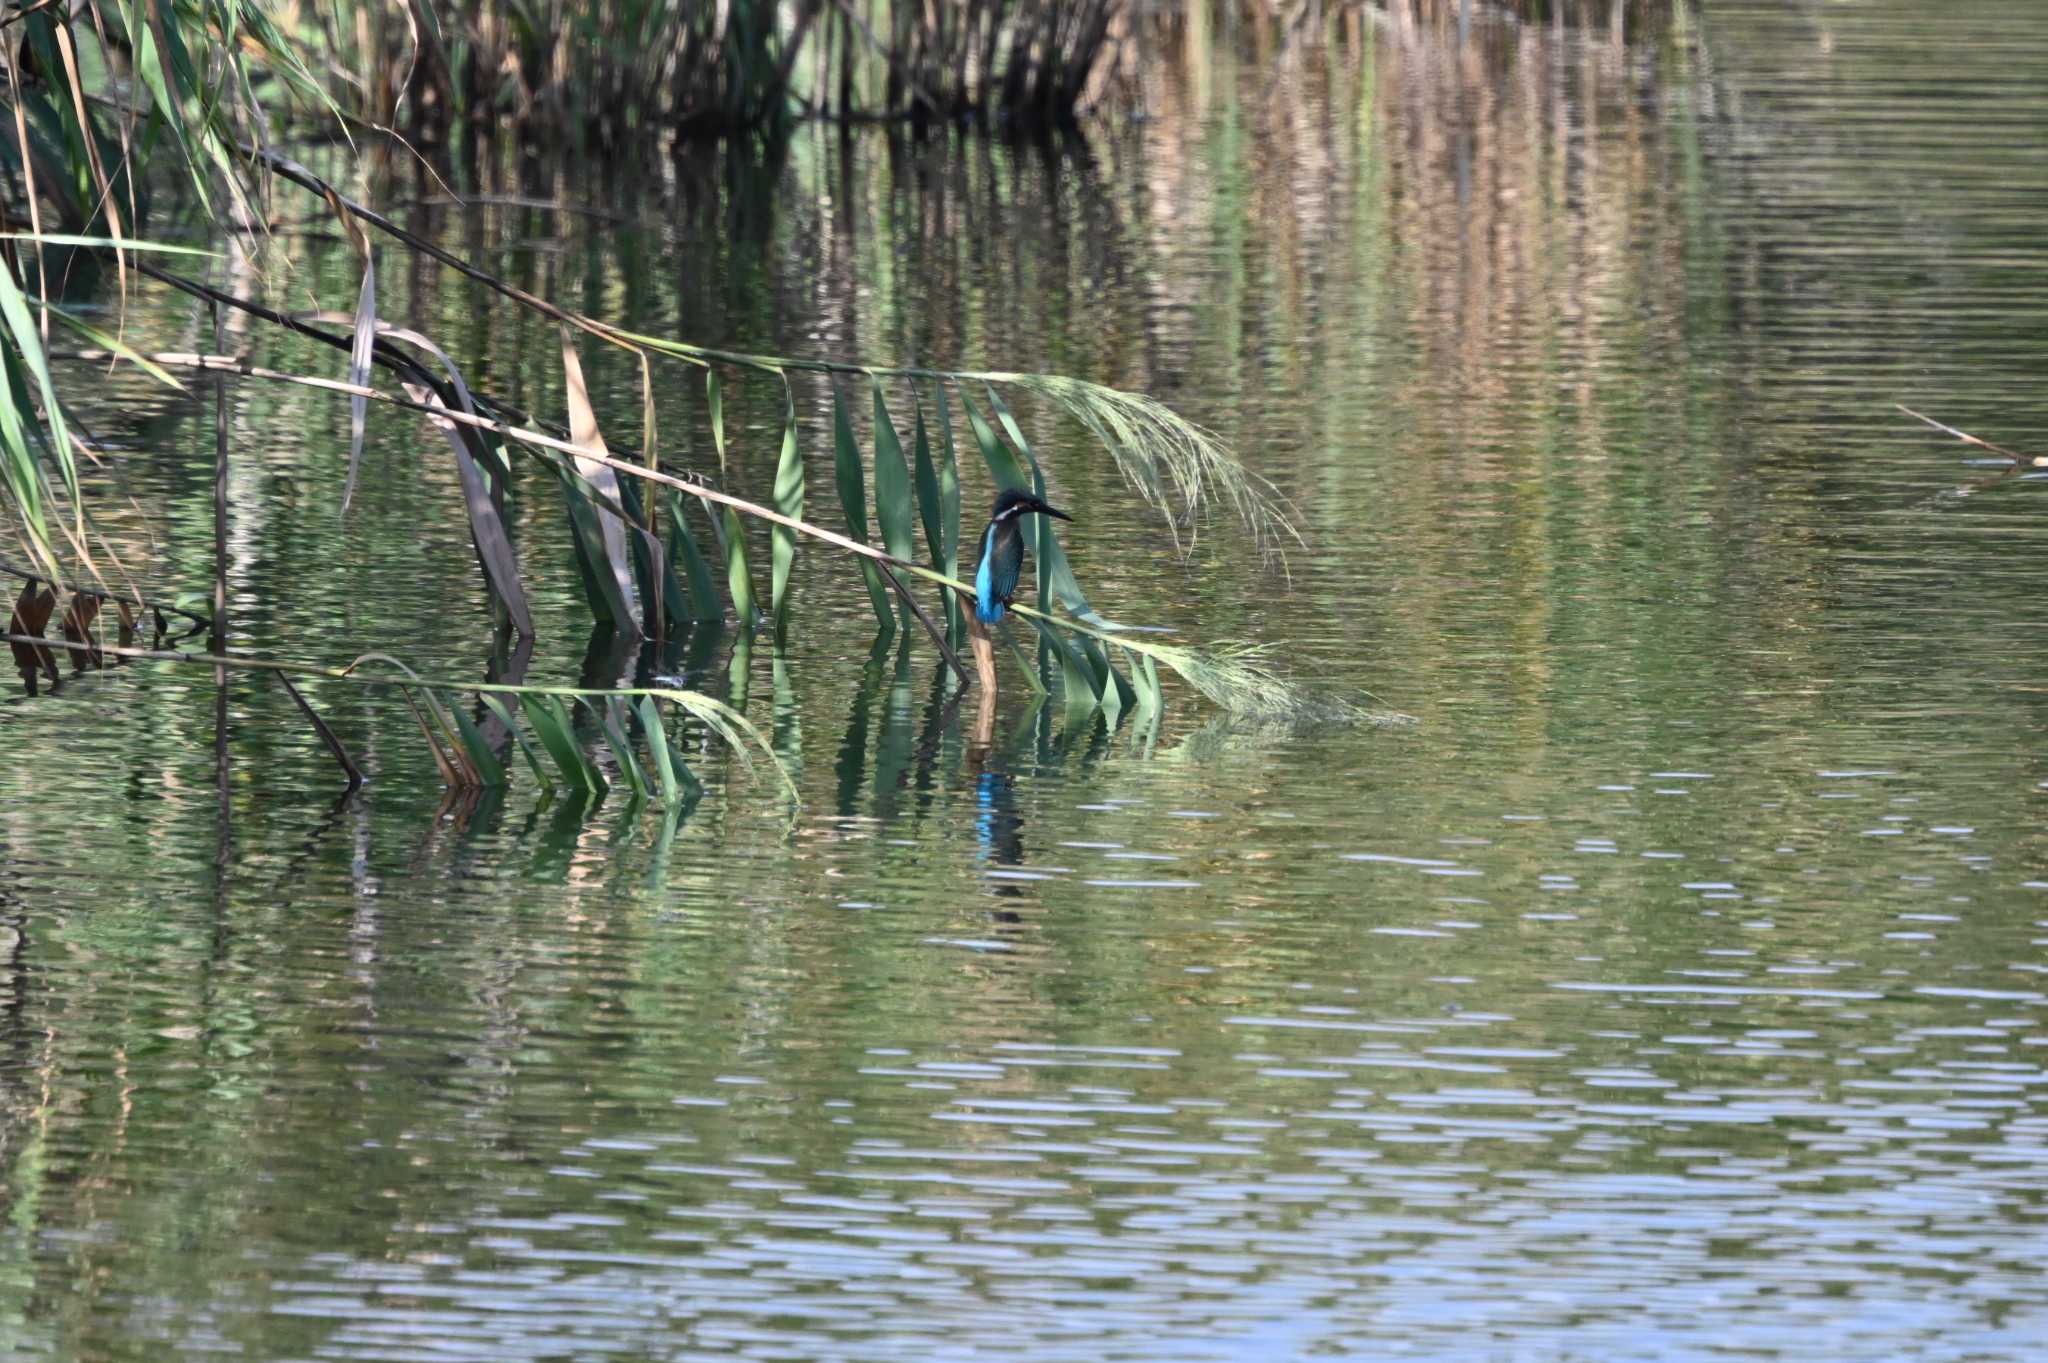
x=1002 y=552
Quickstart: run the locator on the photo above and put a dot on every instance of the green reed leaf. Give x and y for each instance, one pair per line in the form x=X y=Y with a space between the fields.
x=853 y=500
x=526 y=748
x=613 y=721
x=489 y=770
x=789 y=500
x=894 y=509
x=700 y=600
x=658 y=748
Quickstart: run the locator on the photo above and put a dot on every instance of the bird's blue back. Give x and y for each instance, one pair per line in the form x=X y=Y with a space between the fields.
x=1002 y=563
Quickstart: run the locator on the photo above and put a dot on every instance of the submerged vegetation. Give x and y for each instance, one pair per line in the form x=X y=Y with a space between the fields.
x=94 y=90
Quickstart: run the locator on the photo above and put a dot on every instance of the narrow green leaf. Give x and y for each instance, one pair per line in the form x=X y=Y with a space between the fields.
x=654 y=566
x=930 y=510
x=119 y=348
x=714 y=398
x=789 y=500
x=702 y=601
x=1108 y=681
x=658 y=748
x=1144 y=685
x=893 y=498
x=1076 y=678
x=489 y=770
x=22 y=470
x=28 y=344
x=739 y=581
x=110 y=243
x=1002 y=464
x=853 y=500
x=551 y=723
x=612 y=721
x=150 y=63
x=1010 y=427
x=526 y=748
x=947 y=552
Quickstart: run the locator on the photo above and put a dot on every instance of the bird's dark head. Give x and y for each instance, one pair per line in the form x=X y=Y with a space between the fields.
x=1012 y=503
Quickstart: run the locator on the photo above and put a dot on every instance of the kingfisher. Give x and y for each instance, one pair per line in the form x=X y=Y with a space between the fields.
x=1002 y=552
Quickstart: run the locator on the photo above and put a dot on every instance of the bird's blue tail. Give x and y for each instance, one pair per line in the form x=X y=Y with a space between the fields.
x=988 y=607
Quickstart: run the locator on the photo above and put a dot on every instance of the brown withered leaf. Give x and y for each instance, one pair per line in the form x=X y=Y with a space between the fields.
x=32 y=616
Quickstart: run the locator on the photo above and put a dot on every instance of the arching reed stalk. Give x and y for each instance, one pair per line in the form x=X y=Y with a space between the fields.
x=1236 y=678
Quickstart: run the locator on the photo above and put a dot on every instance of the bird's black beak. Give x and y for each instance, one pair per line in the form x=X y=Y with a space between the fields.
x=1042 y=509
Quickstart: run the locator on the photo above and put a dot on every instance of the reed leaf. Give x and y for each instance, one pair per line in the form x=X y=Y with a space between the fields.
x=938 y=503
x=480 y=465
x=452 y=773
x=612 y=721
x=526 y=748
x=489 y=770
x=789 y=500
x=732 y=539
x=20 y=426
x=365 y=340
x=1079 y=689
x=328 y=738
x=117 y=347
x=1149 y=700
x=109 y=243
x=853 y=500
x=1003 y=466
x=601 y=586
x=665 y=763
x=615 y=561
x=700 y=600
x=551 y=722
x=894 y=511
x=653 y=566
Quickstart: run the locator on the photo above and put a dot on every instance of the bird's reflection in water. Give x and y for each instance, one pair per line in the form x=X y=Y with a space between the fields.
x=998 y=823
x=998 y=827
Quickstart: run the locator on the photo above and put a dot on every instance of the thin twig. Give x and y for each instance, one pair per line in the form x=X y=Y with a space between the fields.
x=328 y=736
x=1967 y=438
x=924 y=618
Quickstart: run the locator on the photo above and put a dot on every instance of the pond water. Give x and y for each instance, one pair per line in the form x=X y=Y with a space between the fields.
x=1675 y=987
